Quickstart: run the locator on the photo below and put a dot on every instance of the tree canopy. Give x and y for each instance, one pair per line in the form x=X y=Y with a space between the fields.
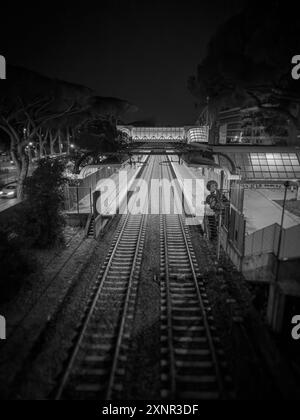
x=45 y=111
x=248 y=62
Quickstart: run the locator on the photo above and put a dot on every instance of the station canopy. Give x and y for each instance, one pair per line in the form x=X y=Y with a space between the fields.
x=266 y=166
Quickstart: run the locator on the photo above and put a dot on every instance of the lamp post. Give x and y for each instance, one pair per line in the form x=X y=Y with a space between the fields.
x=207 y=111
x=273 y=309
x=286 y=186
x=220 y=217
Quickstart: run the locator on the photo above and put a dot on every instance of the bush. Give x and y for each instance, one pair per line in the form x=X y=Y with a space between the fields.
x=14 y=267
x=43 y=221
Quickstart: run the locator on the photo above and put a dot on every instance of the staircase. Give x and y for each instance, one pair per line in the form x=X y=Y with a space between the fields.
x=212 y=227
x=91 y=228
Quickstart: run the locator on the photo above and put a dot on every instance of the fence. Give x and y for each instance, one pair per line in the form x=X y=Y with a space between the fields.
x=237 y=196
x=91 y=180
x=78 y=199
x=233 y=218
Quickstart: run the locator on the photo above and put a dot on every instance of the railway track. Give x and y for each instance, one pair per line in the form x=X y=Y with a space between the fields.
x=97 y=365
x=190 y=354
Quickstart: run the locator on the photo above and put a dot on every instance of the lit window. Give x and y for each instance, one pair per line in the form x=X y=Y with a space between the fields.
x=198 y=135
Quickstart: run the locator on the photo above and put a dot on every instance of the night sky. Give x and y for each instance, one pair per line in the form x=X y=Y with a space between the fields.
x=142 y=51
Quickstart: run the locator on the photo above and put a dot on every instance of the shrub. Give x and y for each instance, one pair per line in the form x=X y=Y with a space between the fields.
x=43 y=221
x=14 y=267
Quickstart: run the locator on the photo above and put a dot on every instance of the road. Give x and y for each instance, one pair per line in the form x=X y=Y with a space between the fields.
x=5 y=203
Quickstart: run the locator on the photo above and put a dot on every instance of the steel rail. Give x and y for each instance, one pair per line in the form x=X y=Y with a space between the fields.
x=168 y=297
x=139 y=247
x=211 y=346
x=91 y=310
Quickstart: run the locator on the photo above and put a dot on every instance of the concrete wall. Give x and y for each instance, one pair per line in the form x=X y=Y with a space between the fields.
x=260 y=258
x=291 y=243
x=255 y=267
x=263 y=241
x=233 y=253
x=259 y=268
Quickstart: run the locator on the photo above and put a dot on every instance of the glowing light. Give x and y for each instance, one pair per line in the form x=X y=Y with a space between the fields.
x=198 y=134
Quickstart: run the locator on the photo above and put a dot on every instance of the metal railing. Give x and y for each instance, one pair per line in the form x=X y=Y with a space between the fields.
x=78 y=200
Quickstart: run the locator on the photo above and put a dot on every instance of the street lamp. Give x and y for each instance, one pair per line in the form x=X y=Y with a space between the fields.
x=287 y=184
x=207 y=111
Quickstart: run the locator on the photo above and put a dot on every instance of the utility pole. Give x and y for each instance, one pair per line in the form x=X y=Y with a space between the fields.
x=220 y=217
x=207 y=111
x=286 y=186
x=273 y=286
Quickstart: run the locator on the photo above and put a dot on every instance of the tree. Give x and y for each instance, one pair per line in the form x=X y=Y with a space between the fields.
x=37 y=109
x=96 y=139
x=28 y=102
x=148 y=122
x=248 y=62
x=111 y=109
x=42 y=221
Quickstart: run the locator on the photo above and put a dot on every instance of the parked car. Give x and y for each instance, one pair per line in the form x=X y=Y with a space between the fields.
x=9 y=191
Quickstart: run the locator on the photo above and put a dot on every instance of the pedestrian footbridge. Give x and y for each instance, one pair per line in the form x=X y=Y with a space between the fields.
x=254 y=164
x=187 y=134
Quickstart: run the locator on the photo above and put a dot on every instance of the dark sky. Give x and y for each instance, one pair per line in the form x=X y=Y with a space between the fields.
x=142 y=51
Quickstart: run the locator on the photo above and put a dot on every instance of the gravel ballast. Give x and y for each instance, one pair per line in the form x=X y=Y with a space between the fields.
x=42 y=320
